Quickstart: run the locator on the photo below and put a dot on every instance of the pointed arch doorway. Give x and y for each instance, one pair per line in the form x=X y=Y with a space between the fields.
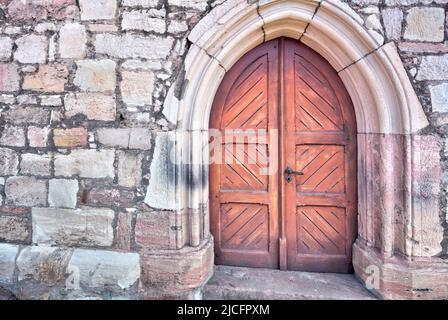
x=284 y=194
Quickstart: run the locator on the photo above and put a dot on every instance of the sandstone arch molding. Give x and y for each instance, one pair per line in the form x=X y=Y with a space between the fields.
x=389 y=116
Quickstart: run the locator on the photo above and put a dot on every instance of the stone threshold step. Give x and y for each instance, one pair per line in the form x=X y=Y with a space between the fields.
x=238 y=283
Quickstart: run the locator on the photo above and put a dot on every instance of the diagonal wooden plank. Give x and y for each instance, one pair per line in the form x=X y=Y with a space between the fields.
x=243 y=228
x=323 y=231
x=323 y=172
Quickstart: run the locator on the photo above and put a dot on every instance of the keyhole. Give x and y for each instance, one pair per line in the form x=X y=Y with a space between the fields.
x=288 y=179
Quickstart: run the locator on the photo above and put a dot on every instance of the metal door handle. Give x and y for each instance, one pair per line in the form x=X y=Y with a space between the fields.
x=289 y=171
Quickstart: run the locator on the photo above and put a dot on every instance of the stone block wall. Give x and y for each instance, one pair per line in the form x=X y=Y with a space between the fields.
x=82 y=86
x=84 y=206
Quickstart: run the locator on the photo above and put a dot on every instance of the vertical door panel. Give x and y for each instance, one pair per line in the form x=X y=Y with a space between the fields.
x=321 y=143
x=244 y=198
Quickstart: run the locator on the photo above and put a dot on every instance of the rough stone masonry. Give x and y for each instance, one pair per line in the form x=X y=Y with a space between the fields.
x=82 y=127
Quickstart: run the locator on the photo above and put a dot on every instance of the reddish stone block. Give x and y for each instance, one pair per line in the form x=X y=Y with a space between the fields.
x=69 y=138
x=400 y=278
x=15 y=228
x=153 y=230
x=427 y=231
x=420 y=47
x=110 y=197
x=19 y=10
x=178 y=270
x=170 y=294
x=124 y=230
x=49 y=78
x=14 y=211
x=38 y=137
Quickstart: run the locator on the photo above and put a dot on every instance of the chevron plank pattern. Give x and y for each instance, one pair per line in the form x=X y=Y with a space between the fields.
x=320 y=230
x=244 y=226
x=246 y=107
x=317 y=108
x=323 y=167
x=243 y=166
x=269 y=218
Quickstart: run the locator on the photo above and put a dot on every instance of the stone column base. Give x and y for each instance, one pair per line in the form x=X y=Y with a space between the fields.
x=176 y=274
x=400 y=277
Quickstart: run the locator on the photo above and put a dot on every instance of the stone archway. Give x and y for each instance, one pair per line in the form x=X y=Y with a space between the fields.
x=399 y=232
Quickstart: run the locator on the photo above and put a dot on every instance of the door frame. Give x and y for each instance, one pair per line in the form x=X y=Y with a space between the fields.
x=279 y=65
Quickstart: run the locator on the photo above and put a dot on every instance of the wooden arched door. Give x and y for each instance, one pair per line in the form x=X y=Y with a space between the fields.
x=283 y=172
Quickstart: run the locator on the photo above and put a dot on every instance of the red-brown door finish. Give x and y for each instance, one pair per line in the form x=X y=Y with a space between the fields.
x=302 y=214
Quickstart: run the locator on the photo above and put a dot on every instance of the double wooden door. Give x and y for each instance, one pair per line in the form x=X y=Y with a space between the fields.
x=283 y=170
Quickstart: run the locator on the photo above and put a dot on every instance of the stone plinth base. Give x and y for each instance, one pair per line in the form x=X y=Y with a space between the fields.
x=170 y=274
x=399 y=277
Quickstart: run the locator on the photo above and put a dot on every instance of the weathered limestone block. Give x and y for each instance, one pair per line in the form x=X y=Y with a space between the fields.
x=365 y=2
x=31 y=49
x=439 y=97
x=161 y=189
x=177 y=27
x=69 y=138
x=7 y=99
x=69 y=227
x=39 y=10
x=95 y=75
x=102 y=28
x=392 y=19
x=133 y=46
x=63 y=193
x=26 y=115
x=45 y=27
x=47 y=265
x=140 y=3
x=49 y=78
x=139 y=65
x=13 y=136
x=51 y=101
x=142 y=20
x=35 y=164
x=190 y=4
x=101 y=197
x=26 y=191
x=401 y=2
x=38 y=137
x=86 y=164
x=95 y=106
x=137 y=87
x=26 y=99
x=8 y=254
x=5 y=48
x=9 y=77
x=127 y=138
x=9 y=162
x=129 y=169
x=425 y=24
x=153 y=230
x=98 y=269
x=98 y=10
x=433 y=68
x=72 y=41
x=14 y=228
